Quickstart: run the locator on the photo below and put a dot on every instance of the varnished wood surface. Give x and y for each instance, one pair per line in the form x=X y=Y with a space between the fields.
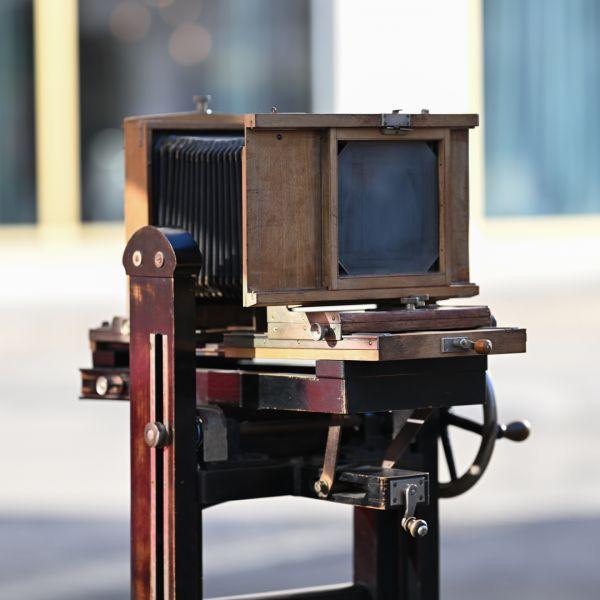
x=427 y=344
x=441 y=292
x=382 y=346
x=287 y=324
x=443 y=317
x=282 y=210
x=137 y=201
x=296 y=120
x=191 y=119
x=458 y=214
x=165 y=522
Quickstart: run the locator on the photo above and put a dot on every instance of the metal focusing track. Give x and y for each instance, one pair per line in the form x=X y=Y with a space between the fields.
x=197 y=186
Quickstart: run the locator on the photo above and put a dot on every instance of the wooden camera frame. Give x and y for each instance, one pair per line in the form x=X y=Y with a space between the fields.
x=290 y=201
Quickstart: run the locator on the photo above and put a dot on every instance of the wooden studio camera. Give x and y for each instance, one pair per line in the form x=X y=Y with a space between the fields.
x=285 y=335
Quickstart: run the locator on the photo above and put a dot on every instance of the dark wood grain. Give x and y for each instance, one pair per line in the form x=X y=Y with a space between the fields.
x=293 y=120
x=165 y=522
x=282 y=210
x=443 y=317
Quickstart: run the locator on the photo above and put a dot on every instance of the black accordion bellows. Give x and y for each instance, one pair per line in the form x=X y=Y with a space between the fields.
x=197 y=186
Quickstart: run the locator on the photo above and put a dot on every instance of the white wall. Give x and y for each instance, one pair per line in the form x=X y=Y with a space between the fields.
x=386 y=54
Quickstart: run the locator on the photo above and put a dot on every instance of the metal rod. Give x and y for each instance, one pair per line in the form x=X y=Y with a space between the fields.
x=462 y=423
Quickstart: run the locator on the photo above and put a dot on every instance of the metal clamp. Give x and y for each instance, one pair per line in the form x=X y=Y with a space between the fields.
x=413 y=302
x=395 y=122
x=456 y=344
x=416 y=527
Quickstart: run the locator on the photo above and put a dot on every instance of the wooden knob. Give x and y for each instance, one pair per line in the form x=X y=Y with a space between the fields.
x=482 y=346
x=517 y=431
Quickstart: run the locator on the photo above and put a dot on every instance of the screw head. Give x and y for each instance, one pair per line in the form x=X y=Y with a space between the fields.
x=136 y=259
x=159 y=259
x=102 y=385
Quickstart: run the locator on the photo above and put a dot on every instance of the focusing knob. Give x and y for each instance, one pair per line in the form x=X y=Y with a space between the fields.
x=156 y=435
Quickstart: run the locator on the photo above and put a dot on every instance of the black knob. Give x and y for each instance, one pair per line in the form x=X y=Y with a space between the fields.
x=517 y=431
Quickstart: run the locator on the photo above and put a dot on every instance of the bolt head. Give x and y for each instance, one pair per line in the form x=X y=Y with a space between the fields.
x=422 y=531
x=156 y=435
x=136 y=259
x=321 y=488
x=159 y=259
x=102 y=385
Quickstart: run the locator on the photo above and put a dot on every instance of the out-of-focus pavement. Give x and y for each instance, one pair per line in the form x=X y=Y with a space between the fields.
x=530 y=529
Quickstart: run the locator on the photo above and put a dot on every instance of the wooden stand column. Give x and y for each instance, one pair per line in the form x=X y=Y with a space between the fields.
x=165 y=516
x=387 y=561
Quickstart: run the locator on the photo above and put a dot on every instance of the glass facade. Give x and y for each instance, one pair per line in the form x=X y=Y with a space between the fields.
x=17 y=148
x=542 y=92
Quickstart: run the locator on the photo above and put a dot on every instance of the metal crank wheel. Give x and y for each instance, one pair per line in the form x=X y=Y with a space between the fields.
x=490 y=430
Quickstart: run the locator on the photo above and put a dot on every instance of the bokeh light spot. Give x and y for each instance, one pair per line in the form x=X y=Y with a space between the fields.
x=130 y=21
x=190 y=44
x=178 y=12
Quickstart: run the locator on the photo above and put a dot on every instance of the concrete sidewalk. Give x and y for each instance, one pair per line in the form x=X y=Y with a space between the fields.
x=67 y=559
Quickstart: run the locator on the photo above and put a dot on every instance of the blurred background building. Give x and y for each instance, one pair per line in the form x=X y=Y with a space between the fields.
x=70 y=71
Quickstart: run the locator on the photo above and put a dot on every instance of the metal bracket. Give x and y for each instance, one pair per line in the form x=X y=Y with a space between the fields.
x=213 y=428
x=395 y=122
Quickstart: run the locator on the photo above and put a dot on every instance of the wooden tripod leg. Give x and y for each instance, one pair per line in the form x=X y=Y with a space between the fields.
x=165 y=515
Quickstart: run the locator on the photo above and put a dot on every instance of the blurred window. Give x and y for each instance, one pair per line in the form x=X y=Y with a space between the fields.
x=542 y=93
x=17 y=150
x=152 y=56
